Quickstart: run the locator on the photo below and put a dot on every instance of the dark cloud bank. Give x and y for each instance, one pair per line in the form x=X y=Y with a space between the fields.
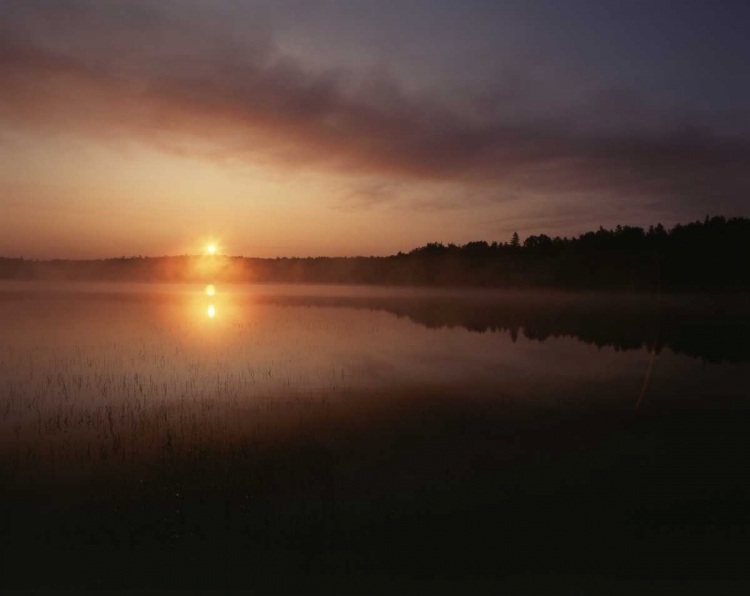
x=191 y=82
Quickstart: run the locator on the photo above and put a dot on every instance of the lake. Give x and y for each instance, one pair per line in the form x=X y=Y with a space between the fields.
x=316 y=436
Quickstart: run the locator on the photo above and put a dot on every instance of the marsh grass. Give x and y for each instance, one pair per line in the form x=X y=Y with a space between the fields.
x=431 y=491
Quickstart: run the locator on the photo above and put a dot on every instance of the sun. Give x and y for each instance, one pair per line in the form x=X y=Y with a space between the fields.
x=211 y=311
x=211 y=249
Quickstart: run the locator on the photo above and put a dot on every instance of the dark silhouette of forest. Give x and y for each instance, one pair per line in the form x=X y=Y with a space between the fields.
x=707 y=255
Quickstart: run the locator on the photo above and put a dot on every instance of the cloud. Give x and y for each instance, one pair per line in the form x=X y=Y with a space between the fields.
x=195 y=83
x=368 y=195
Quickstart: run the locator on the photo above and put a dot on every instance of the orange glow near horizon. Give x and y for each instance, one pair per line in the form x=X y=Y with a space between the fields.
x=162 y=198
x=210 y=290
x=211 y=249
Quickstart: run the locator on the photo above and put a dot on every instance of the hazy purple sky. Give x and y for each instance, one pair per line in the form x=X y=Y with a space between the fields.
x=348 y=127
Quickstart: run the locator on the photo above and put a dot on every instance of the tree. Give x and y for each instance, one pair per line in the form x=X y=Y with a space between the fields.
x=515 y=240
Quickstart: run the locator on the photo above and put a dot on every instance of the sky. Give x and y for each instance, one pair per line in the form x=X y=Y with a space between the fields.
x=348 y=127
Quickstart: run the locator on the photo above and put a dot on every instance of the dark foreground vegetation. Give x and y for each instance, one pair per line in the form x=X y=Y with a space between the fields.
x=421 y=495
x=705 y=256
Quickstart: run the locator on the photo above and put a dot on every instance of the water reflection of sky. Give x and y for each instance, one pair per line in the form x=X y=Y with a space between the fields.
x=276 y=343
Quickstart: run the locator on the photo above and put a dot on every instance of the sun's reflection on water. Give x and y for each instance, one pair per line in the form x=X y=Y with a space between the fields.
x=211 y=308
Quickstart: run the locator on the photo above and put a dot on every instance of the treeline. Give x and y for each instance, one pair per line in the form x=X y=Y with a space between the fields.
x=704 y=255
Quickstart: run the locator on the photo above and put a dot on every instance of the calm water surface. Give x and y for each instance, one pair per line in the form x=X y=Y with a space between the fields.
x=99 y=343
x=70 y=350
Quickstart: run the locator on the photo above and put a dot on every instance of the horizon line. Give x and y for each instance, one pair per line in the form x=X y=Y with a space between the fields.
x=668 y=230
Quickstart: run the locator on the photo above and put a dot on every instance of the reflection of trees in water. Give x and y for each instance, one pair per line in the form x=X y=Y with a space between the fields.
x=715 y=330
